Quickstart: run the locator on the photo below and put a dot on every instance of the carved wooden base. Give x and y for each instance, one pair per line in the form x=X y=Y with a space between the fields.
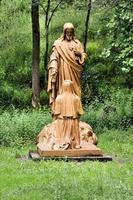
x=90 y=150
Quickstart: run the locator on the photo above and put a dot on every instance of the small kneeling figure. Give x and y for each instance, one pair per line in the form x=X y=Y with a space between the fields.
x=67 y=110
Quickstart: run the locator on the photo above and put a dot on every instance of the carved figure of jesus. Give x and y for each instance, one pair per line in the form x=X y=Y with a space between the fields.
x=65 y=63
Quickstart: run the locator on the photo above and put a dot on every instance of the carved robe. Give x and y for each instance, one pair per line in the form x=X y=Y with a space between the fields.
x=64 y=65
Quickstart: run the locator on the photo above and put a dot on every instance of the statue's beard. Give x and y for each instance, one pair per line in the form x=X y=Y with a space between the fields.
x=69 y=38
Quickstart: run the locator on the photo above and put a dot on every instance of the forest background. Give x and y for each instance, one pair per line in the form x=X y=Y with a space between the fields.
x=107 y=78
x=107 y=97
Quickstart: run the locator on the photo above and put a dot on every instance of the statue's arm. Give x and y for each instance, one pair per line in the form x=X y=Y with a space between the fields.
x=53 y=65
x=52 y=75
x=80 y=54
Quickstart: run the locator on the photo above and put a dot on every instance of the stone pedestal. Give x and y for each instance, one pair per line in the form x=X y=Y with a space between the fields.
x=34 y=155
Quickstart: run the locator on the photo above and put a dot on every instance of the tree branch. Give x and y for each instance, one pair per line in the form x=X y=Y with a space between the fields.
x=41 y=5
x=47 y=12
x=53 y=11
x=87 y=23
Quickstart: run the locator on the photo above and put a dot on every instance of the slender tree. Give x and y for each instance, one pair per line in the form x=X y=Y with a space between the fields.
x=87 y=23
x=48 y=13
x=35 y=53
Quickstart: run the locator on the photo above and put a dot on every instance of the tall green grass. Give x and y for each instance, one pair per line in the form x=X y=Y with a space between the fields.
x=112 y=110
x=20 y=127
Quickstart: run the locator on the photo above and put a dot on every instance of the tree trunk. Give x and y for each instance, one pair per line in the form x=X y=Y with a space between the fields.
x=88 y=83
x=35 y=54
x=46 y=41
x=46 y=54
x=87 y=23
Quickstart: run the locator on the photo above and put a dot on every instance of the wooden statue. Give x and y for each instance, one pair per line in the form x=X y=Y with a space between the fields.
x=67 y=111
x=66 y=132
x=65 y=63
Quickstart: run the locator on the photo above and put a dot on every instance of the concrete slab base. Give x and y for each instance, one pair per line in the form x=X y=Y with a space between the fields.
x=34 y=155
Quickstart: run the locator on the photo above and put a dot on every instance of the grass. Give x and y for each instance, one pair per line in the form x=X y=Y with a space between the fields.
x=52 y=180
x=118 y=143
x=21 y=126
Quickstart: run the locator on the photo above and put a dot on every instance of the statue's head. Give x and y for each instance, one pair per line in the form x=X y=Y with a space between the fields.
x=68 y=31
x=67 y=86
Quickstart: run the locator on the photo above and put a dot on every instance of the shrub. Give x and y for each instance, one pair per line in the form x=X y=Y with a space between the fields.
x=20 y=127
x=112 y=112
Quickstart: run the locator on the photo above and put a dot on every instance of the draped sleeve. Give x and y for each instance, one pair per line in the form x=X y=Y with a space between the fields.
x=52 y=73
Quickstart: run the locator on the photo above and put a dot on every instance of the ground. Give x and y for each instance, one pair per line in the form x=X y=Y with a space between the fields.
x=59 y=180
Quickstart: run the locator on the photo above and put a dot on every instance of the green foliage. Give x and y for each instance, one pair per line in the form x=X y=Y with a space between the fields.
x=11 y=95
x=44 y=100
x=15 y=43
x=120 y=38
x=108 y=66
x=110 y=29
x=20 y=127
x=112 y=112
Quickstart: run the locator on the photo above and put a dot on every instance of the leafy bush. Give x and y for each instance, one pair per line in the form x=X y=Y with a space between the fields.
x=11 y=95
x=20 y=127
x=114 y=112
x=119 y=48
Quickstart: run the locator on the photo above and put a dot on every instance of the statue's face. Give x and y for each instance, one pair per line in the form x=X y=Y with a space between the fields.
x=69 y=34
